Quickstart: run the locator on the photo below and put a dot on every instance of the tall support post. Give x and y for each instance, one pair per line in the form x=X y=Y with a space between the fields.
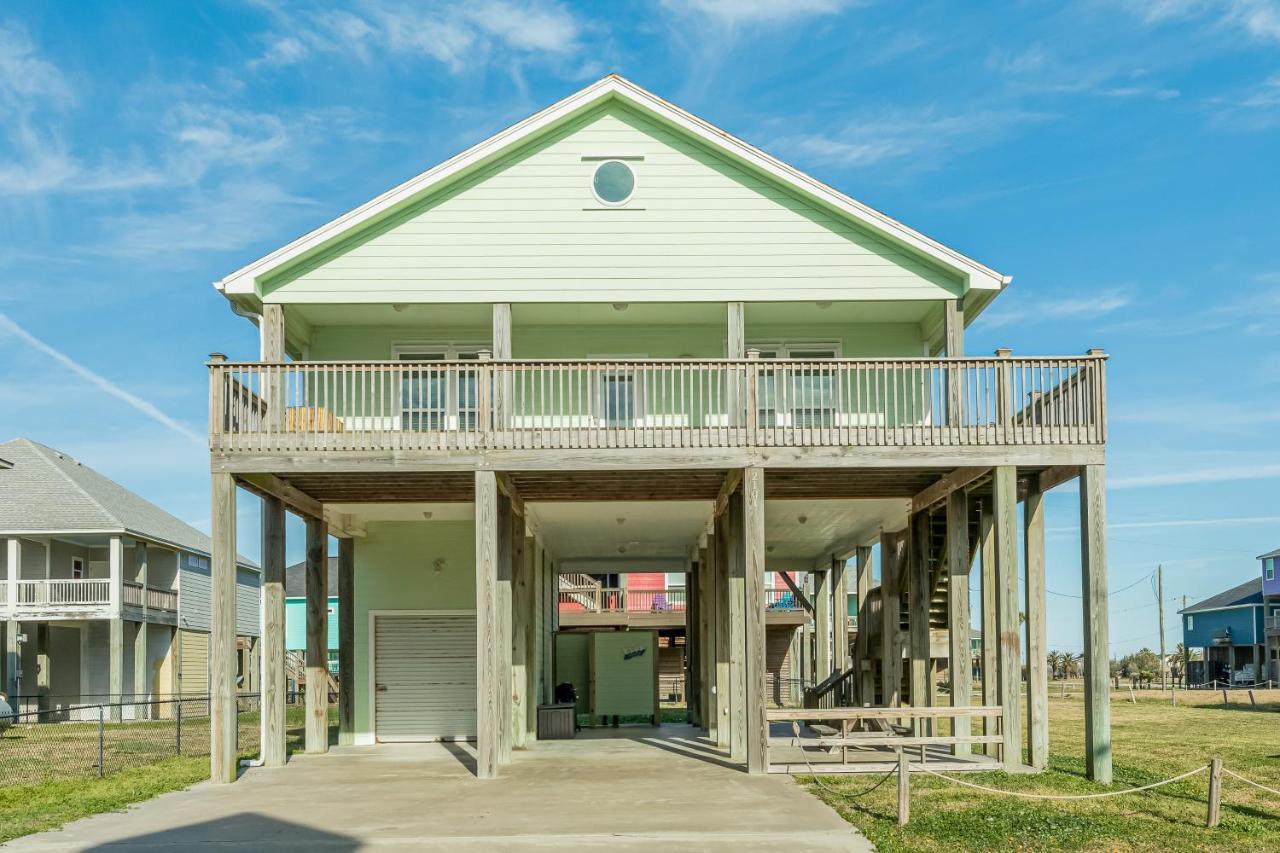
x=274 y=752
x=862 y=648
x=115 y=594
x=317 y=657
x=990 y=631
x=807 y=669
x=960 y=664
x=707 y=638
x=891 y=548
x=502 y=613
x=521 y=593
x=1037 y=638
x=737 y=628
x=822 y=623
x=1005 y=498
x=500 y=387
x=839 y=616
x=222 y=640
x=735 y=330
x=488 y=715
x=757 y=728
x=918 y=598
x=532 y=640
x=346 y=641
x=953 y=326
x=141 y=663
x=1097 y=675
x=719 y=546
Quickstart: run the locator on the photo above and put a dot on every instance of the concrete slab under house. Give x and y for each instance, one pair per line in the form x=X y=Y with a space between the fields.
x=614 y=347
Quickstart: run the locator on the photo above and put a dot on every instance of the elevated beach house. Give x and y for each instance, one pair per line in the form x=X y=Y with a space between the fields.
x=105 y=596
x=615 y=338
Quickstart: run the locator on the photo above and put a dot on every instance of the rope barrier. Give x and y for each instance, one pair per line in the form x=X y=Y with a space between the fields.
x=1026 y=796
x=1251 y=782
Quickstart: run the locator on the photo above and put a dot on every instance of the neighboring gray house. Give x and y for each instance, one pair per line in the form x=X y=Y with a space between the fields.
x=105 y=596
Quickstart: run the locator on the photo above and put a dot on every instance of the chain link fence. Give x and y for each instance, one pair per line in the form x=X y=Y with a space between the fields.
x=96 y=740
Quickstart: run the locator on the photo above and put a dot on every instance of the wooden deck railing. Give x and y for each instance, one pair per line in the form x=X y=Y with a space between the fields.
x=75 y=592
x=617 y=600
x=561 y=404
x=156 y=598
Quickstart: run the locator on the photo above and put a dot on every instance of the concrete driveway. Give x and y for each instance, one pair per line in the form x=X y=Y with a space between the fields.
x=636 y=789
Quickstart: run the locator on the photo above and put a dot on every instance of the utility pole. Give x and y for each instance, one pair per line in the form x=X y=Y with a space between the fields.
x=1164 y=678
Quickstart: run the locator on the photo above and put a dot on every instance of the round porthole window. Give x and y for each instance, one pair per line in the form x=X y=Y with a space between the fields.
x=613 y=182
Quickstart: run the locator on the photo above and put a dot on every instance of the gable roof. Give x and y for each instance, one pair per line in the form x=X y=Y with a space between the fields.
x=976 y=275
x=47 y=491
x=1270 y=554
x=1249 y=592
x=295 y=579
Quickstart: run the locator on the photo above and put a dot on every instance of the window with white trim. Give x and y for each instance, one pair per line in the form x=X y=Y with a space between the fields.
x=77 y=568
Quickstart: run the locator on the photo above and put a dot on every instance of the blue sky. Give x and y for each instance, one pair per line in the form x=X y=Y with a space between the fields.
x=1120 y=159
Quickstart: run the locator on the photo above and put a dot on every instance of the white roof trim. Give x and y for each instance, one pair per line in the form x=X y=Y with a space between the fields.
x=980 y=276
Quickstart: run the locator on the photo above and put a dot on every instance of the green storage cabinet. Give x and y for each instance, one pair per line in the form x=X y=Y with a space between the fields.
x=624 y=674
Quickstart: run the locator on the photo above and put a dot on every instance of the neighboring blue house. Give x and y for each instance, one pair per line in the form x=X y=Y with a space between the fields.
x=295 y=610
x=1230 y=628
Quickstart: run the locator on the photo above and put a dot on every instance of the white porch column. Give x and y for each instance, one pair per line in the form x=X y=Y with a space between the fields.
x=115 y=653
x=12 y=659
x=222 y=640
x=141 y=661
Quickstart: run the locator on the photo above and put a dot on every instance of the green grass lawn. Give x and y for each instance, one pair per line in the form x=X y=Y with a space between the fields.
x=1152 y=740
x=140 y=758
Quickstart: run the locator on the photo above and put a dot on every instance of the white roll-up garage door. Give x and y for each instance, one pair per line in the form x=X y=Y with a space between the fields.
x=424 y=676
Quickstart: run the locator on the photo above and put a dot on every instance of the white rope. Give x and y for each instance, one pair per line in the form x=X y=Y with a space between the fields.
x=1251 y=782
x=1098 y=796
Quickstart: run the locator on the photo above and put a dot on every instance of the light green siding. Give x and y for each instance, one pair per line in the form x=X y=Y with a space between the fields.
x=395 y=571
x=623 y=673
x=528 y=229
x=571 y=666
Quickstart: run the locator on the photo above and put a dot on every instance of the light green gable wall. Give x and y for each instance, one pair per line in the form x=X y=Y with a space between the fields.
x=528 y=229
x=394 y=572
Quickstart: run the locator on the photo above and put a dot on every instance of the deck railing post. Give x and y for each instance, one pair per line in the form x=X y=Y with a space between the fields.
x=751 y=397
x=484 y=393
x=217 y=394
x=1004 y=394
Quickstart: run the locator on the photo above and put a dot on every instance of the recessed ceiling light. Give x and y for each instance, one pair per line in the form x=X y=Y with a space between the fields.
x=802 y=519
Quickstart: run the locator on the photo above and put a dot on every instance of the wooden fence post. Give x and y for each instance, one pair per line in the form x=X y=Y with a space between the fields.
x=904 y=788
x=1215 y=791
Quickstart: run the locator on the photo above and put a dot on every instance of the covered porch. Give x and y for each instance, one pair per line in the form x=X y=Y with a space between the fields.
x=490 y=547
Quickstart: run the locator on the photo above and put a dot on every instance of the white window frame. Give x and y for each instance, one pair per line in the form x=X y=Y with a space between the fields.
x=78 y=566
x=1269 y=566
x=785 y=351
x=447 y=351
x=1191 y=622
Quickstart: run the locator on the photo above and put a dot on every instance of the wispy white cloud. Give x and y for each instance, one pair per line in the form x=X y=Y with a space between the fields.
x=921 y=139
x=10 y=327
x=1036 y=70
x=460 y=35
x=1261 y=469
x=1257 y=19
x=737 y=13
x=1059 y=308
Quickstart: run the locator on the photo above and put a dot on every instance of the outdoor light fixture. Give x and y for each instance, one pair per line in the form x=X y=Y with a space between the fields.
x=802 y=519
x=399 y=306
x=823 y=304
x=438 y=565
x=426 y=515
x=620 y=306
x=620 y=520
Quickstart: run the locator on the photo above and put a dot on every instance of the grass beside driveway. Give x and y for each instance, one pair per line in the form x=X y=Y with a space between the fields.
x=1152 y=740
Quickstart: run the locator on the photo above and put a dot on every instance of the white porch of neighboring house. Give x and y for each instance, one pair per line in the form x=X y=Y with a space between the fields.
x=89 y=618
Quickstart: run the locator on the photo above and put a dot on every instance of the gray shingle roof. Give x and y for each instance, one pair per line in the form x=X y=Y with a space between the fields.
x=1249 y=592
x=295 y=579
x=46 y=490
x=1269 y=554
